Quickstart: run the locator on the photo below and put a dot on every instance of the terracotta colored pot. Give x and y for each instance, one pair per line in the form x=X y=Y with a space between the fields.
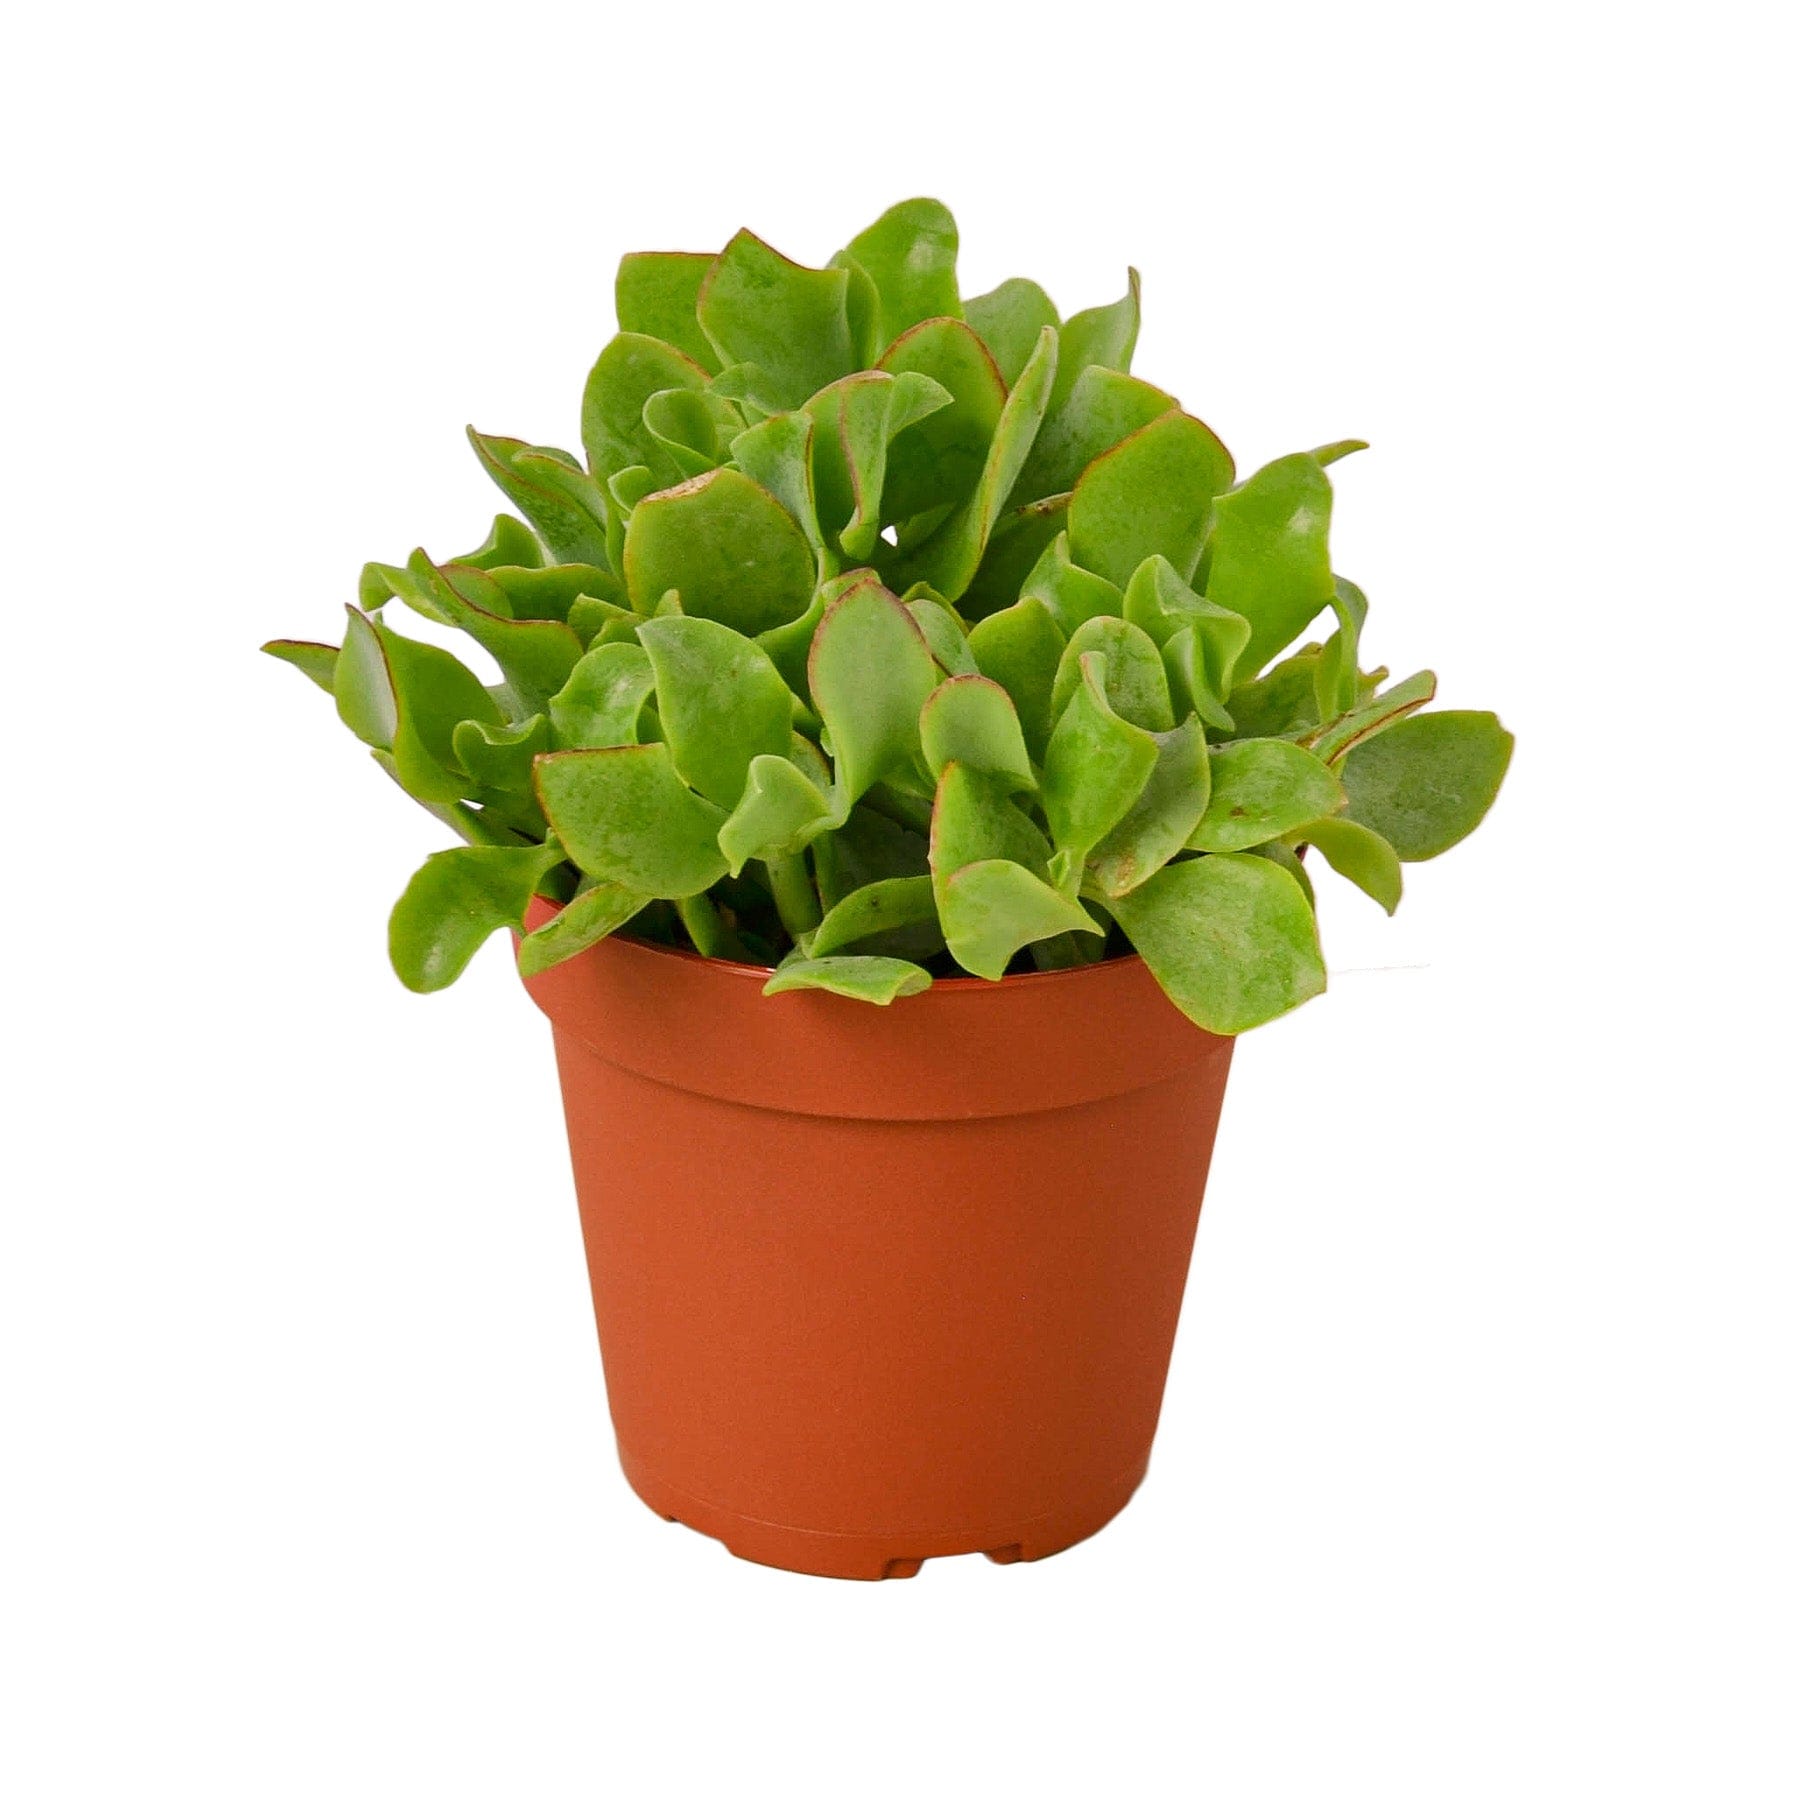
x=877 y=1284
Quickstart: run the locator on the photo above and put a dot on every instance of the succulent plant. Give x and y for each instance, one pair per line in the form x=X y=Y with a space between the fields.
x=883 y=633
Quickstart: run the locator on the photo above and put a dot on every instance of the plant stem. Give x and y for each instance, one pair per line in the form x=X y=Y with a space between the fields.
x=711 y=935
x=796 y=899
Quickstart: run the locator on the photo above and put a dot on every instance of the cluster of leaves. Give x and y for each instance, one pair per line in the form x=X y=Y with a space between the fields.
x=883 y=633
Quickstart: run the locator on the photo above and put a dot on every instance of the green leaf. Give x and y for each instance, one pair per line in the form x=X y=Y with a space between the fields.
x=1200 y=642
x=880 y=980
x=1021 y=648
x=992 y=910
x=1335 y=680
x=788 y=646
x=1269 y=558
x=777 y=454
x=1282 y=703
x=949 y=558
x=879 y=907
x=728 y=546
x=974 y=819
x=546 y=593
x=854 y=422
x=553 y=491
x=721 y=701
x=780 y=812
x=1336 y=740
x=535 y=655
x=1103 y=335
x=317 y=662
x=1284 y=857
x=627 y=374
x=1264 y=788
x=1150 y=495
x=500 y=756
x=1008 y=321
x=1103 y=408
x=655 y=294
x=1136 y=684
x=1230 y=939
x=1096 y=766
x=943 y=631
x=1429 y=782
x=687 y=427
x=870 y=672
x=939 y=458
x=1359 y=855
x=625 y=817
x=1073 y=594
x=599 y=706
x=792 y=323
x=970 y=719
x=510 y=544
x=458 y=900
x=1162 y=818
x=909 y=254
x=1015 y=546
x=593 y=914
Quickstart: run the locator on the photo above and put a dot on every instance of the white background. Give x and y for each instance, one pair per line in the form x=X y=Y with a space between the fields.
x=1477 y=1473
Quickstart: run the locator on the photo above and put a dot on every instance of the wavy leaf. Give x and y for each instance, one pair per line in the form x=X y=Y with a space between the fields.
x=1165 y=814
x=779 y=813
x=1150 y=495
x=992 y=910
x=655 y=294
x=1360 y=855
x=792 y=323
x=1095 y=768
x=455 y=903
x=553 y=491
x=909 y=255
x=1262 y=789
x=599 y=706
x=1426 y=784
x=970 y=719
x=880 y=980
x=595 y=913
x=881 y=906
x=1021 y=648
x=1008 y=321
x=624 y=817
x=1269 y=559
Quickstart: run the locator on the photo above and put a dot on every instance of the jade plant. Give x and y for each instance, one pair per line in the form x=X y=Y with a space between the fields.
x=881 y=634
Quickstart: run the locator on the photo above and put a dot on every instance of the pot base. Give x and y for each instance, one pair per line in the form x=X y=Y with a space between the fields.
x=889 y=1555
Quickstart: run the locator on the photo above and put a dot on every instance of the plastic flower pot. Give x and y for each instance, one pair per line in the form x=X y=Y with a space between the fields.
x=880 y=1284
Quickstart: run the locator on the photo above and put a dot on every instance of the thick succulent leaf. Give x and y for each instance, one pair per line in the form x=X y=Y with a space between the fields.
x=1335 y=741
x=788 y=647
x=1426 y=784
x=1264 y=788
x=655 y=294
x=535 y=655
x=407 y=698
x=690 y=428
x=473 y=824
x=1150 y=495
x=1021 y=648
x=880 y=980
x=598 y=708
x=975 y=819
x=546 y=593
x=624 y=816
x=1269 y=558
x=854 y=422
x=1336 y=452
x=1284 y=856
x=1360 y=855
x=1282 y=703
x=625 y=376
x=317 y=662
x=1230 y=939
x=509 y=544
x=992 y=910
x=868 y=846
x=593 y=914
x=939 y=458
x=1008 y=321
x=1335 y=679
x=552 y=490
x=727 y=545
x=1136 y=684
x=1095 y=768
x=597 y=622
x=949 y=558
x=1201 y=642
x=721 y=701
x=970 y=719
x=1162 y=818
x=1103 y=335
x=500 y=756
x=792 y=323
x=458 y=900
x=870 y=672
x=944 y=631
x=879 y=907
x=777 y=454
x=1103 y=409
x=780 y=811
x=1073 y=594
x=909 y=254
x=1015 y=546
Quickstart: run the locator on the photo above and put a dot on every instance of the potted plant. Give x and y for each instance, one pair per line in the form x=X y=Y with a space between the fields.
x=887 y=646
